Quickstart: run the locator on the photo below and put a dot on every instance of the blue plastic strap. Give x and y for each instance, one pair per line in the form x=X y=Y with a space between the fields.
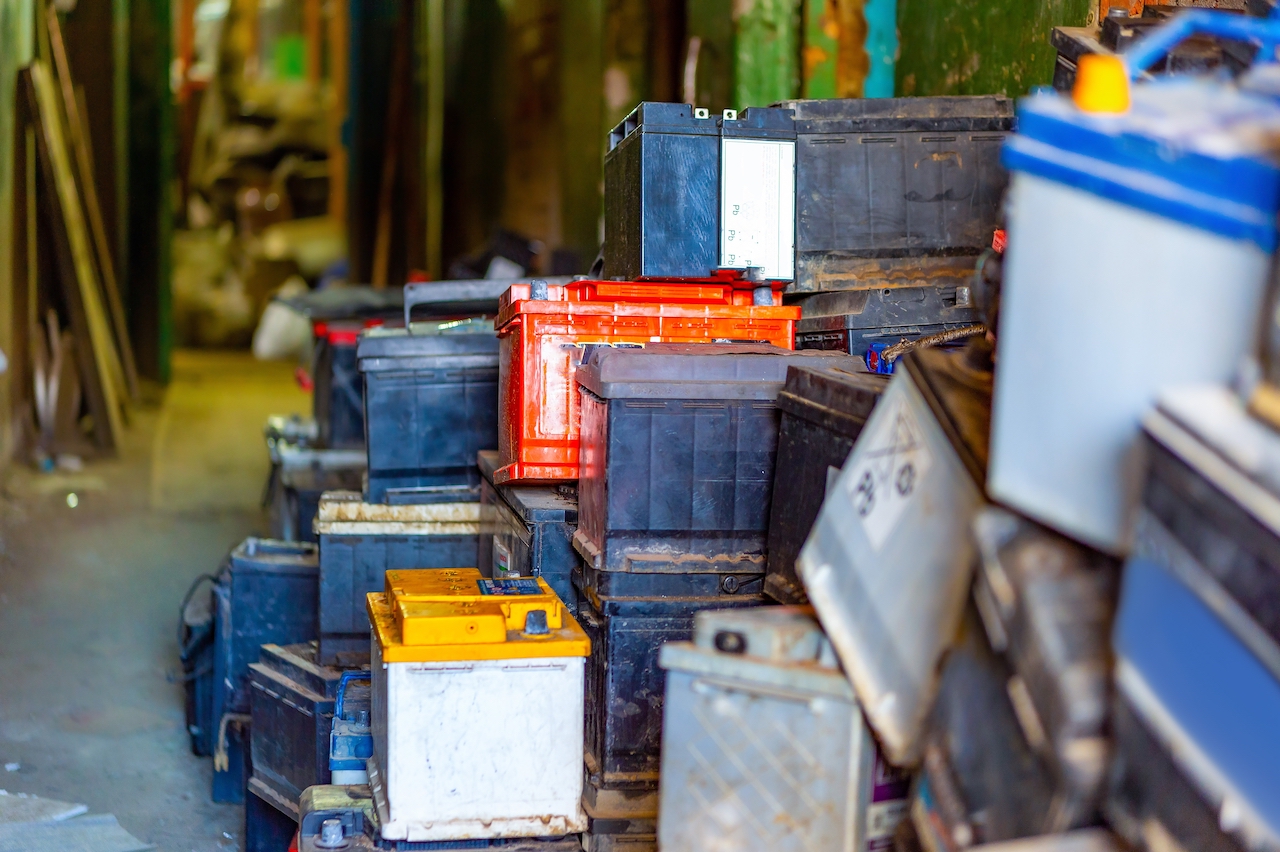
x=346 y=678
x=1264 y=32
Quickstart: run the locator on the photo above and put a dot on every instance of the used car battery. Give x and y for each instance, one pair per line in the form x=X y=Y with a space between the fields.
x=896 y=188
x=1181 y=173
x=431 y=403
x=1047 y=605
x=546 y=330
x=1210 y=508
x=477 y=708
x=625 y=688
x=533 y=529
x=887 y=572
x=269 y=824
x=823 y=412
x=265 y=594
x=687 y=194
x=763 y=743
x=980 y=780
x=338 y=394
x=196 y=651
x=359 y=541
x=293 y=701
x=854 y=320
x=679 y=444
x=1197 y=761
x=299 y=476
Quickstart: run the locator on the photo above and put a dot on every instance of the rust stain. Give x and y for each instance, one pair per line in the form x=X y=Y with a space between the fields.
x=859 y=273
x=852 y=60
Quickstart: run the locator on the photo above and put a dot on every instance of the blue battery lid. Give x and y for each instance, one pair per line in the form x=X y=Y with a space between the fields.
x=1196 y=150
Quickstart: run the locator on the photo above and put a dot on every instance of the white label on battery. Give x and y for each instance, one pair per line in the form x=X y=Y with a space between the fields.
x=882 y=822
x=502 y=561
x=887 y=477
x=757 y=206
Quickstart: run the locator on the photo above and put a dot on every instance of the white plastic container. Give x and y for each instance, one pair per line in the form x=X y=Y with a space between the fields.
x=764 y=748
x=888 y=562
x=1139 y=246
x=477 y=708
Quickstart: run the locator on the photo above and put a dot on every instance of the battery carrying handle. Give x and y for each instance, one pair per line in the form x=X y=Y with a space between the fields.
x=347 y=677
x=1263 y=32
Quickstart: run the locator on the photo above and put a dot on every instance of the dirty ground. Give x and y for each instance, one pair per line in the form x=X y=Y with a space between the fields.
x=91 y=705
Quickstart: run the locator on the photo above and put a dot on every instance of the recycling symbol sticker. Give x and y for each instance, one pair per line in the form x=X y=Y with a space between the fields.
x=888 y=466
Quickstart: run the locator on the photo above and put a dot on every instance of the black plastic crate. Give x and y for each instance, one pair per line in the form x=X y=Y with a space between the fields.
x=678 y=450
x=663 y=191
x=360 y=541
x=823 y=412
x=299 y=478
x=195 y=637
x=337 y=396
x=431 y=404
x=266 y=593
x=625 y=685
x=882 y=184
x=292 y=706
x=852 y=320
x=269 y=826
x=533 y=529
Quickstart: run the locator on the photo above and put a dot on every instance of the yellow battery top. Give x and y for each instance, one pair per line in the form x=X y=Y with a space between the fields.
x=451 y=614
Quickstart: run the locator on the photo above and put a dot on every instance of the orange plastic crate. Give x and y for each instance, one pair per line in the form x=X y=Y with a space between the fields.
x=543 y=341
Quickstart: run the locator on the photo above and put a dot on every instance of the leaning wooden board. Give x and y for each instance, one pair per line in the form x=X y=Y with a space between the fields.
x=100 y=366
x=79 y=139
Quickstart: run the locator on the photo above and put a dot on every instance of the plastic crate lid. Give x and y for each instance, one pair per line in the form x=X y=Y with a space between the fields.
x=444 y=615
x=699 y=371
x=1195 y=150
x=437 y=338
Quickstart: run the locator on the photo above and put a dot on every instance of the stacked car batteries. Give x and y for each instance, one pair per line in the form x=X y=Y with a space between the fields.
x=895 y=200
x=679 y=444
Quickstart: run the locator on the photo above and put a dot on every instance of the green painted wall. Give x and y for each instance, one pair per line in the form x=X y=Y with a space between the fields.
x=748 y=51
x=152 y=151
x=979 y=47
x=582 y=119
x=16 y=49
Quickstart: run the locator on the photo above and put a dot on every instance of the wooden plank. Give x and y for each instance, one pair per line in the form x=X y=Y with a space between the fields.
x=100 y=371
x=79 y=138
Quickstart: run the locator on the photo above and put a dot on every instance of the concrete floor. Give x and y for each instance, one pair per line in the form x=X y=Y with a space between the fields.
x=91 y=707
